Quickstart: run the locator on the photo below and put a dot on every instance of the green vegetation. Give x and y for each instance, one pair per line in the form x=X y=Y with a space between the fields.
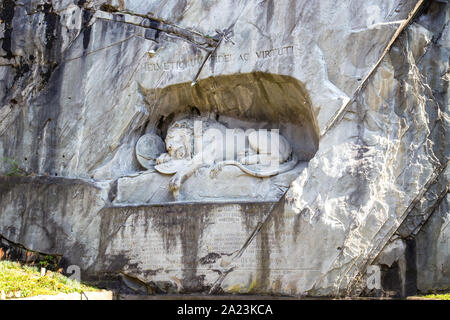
x=25 y=281
x=14 y=169
x=442 y=296
x=48 y=262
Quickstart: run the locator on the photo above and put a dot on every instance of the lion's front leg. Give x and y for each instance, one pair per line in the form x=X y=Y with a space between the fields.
x=199 y=160
x=181 y=176
x=175 y=181
x=175 y=184
x=165 y=157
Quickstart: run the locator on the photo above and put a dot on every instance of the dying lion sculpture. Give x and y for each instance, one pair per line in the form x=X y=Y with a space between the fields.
x=193 y=143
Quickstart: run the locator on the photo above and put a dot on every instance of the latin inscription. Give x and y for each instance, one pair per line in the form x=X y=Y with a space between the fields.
x=283 y=51
x=175 y=65
x=181 y=65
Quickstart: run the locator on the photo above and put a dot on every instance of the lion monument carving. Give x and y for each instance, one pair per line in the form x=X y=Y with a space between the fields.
x=192 y=143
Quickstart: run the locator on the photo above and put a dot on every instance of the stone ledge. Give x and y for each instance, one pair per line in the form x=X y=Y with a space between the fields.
x=11 y=180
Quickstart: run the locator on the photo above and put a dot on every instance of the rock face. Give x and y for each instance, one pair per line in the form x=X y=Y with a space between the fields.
x=358 y=89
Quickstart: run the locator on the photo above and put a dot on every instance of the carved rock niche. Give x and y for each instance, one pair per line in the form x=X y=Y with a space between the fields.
x=259 y=101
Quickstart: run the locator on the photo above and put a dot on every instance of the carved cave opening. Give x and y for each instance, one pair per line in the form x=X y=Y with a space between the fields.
x=239 y=101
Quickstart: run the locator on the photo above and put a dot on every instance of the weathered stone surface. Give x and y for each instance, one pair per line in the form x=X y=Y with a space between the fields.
x=433 y=250
x=363 y=104
x=53 y=215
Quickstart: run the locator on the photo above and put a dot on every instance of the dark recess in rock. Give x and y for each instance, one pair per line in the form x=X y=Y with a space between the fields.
x=22 y=69
x=210 y=258
x=411 y=268
x=86 y=17
x=81 y=3
x=7 y=15
x=52 y=55
x=391 y=281
x=107 y=7
x=112 y=194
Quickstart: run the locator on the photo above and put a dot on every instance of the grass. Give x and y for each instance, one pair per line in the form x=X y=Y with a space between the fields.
x=443 y=296
x=14 y=169
x=25 y=281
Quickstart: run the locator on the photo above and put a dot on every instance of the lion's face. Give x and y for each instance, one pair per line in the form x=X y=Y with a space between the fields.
x=179 y=143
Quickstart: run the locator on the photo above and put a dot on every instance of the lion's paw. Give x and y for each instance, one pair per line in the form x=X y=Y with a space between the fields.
x=175 y=183
x=165 y=157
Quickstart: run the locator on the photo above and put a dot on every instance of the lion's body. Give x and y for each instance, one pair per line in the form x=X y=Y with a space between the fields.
x=192 y=144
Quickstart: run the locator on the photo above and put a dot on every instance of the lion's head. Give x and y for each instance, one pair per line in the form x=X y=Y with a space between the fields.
x=180 y=139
